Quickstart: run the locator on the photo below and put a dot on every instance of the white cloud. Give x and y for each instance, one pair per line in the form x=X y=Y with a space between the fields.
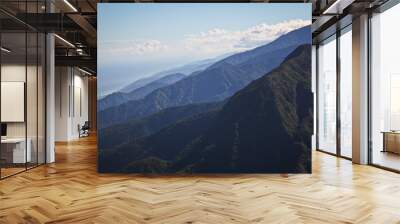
x=218 y=40
x=133 y=47
x=207 y=44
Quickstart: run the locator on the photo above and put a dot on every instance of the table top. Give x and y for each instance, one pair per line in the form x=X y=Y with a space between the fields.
x=391 y=132
x=13 y=140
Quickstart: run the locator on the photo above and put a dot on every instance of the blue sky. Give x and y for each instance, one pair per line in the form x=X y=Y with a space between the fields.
x=136 y=40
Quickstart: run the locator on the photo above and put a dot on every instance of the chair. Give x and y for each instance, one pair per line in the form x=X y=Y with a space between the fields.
x=84 y=130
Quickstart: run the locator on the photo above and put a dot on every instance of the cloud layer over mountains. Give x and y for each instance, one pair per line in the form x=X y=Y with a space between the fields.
x=205 y=44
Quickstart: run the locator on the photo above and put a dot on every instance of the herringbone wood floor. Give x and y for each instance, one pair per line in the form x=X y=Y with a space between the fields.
x=71 y=191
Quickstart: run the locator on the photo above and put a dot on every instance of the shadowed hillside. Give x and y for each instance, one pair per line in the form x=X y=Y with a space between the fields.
x=265 y=127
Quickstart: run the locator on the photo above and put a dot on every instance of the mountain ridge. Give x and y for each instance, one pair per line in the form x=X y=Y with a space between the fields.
x=186 y=69
x=217 y=82
x=119 y=98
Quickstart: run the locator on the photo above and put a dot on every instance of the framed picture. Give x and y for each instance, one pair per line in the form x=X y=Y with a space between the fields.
x=204 y=88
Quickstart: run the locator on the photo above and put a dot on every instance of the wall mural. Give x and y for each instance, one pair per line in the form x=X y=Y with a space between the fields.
x=204 y=88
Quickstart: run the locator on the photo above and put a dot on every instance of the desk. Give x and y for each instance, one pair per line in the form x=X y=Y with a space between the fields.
x=391 y=141
x=14 y=150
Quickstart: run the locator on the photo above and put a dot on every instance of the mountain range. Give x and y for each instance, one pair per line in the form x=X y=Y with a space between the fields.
x=263 y=127
x=118 y=98
x=186 y=69
x=217 y=82
x=142 y=87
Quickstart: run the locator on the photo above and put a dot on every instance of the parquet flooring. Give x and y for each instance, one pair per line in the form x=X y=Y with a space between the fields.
x=10 y=171
x=71 y=191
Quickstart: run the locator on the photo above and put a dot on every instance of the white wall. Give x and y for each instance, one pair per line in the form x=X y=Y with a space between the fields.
x=33 y=126
x=62 y=82
x=71 y=102
x=13 y=101
x=14 y=73
x=80 y=104
x=17 y=73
